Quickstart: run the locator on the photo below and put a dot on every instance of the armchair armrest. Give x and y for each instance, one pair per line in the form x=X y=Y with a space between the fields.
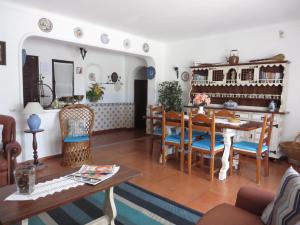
x=253 y=199
x=12 y=150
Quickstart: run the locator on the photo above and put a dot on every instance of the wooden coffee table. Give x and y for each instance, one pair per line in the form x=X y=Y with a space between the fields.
x=15 y=211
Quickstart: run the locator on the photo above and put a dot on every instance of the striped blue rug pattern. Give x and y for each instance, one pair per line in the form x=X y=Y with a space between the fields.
x=135 y=206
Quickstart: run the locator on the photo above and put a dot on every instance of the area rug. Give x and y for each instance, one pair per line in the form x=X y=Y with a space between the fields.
x=135 y=206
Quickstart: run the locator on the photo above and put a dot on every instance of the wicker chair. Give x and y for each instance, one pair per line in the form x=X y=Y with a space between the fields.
x=76 y=148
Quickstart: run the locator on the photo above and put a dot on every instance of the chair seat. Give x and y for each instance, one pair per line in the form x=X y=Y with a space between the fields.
x=195 y=133
x=248 y=146
x=176 y=139
x=71 y=139
x=219 y=137
x=205 y=144
x=157 y=131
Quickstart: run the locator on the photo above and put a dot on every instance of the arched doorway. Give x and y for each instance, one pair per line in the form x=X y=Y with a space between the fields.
x=140 y=97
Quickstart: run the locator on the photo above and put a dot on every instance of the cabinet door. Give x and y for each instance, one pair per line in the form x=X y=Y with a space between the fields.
x=217 y=75
x=248 y=74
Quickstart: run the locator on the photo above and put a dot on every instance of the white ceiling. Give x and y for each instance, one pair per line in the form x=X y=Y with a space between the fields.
x=169 y=20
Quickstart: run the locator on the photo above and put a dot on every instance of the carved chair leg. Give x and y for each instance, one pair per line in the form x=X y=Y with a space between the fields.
x=182 y=159
x=212 y=167
x=258 y=168
x=189 y=159
x=266 y=163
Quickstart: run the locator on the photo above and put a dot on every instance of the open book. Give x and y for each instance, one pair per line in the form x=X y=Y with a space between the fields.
x=92 y=174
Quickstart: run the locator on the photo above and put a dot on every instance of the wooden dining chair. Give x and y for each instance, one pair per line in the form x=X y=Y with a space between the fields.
x=175 y=120
x=257 y=150
x=205 y=146
x=155 y=125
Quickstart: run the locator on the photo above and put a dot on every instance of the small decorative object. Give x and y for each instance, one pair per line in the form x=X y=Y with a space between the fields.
x=126 y=43
x=146 y=47
x=78 y=98
x=185 y=76
x=45 y=25
x=25 y=179
x=78 y=70
x=78 y=32
x=177 y=71
x=230 y=104
x=150 y=71
x=234 y=57
x=55 y=104
x=170 y=95
x=114 y=77
x=95 y=92
x=2 y=53
x=83 y=52
x=278 y=57
x=92 y=77
x=272 y=106
x=200 y=101
x=104 y=38
x=32 y=109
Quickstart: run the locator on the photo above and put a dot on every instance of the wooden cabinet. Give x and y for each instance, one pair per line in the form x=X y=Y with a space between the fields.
x=252 y=85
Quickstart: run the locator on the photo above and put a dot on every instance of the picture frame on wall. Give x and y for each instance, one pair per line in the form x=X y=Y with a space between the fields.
x=78 y=70
x=2 y=53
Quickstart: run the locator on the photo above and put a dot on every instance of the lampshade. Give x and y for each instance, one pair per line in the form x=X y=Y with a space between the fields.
x=33 y=108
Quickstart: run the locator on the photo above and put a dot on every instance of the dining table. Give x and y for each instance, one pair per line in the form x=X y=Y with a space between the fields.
x=229 y=130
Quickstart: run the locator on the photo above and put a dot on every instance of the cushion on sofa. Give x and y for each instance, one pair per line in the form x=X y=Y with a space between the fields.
x=226 y=214
x=285 y=208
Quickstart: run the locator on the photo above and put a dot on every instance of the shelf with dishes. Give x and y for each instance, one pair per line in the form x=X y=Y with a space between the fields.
x=260 y=82
x=249 y=96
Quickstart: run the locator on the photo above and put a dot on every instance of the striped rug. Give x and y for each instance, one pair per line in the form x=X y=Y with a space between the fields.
x=135 y=206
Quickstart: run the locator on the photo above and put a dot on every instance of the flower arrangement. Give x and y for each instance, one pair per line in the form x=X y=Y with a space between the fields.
x=201 y=100
x=95 y=92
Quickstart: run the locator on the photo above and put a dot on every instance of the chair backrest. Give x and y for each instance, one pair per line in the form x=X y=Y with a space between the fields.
x=8 y=129
x=172 y=119
x=155 y=111
x=76 y=112
x=224 y=113
x=204 y=123
x=266 y=131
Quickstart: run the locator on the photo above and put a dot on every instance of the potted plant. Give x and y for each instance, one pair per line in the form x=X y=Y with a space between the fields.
x=170 y=95
x=95 y=92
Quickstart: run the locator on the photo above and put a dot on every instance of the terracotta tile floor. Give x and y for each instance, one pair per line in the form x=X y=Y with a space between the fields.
x=131 y=148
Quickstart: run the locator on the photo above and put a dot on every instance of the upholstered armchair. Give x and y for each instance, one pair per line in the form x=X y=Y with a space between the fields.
x=10 y=149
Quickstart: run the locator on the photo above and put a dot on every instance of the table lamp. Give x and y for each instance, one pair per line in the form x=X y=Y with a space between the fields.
x=32 y=109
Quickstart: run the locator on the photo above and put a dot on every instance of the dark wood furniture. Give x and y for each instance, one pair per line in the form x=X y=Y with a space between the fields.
x=9 y=150
x=36 y=163
x=14 y=211
x=260 y=153
x=155 y=125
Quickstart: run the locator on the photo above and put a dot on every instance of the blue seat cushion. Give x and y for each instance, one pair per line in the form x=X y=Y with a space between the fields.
x=205 y=144
x=157 y=131
x=176 y=139
x=70 y=139
x=196 y=133
x=248 y=146
x=219 y=137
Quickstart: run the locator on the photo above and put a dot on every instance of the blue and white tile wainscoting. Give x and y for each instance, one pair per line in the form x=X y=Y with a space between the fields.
x=110 y=116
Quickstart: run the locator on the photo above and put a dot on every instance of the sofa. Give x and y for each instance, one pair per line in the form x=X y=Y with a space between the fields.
x=248 y=208
x=9 y=149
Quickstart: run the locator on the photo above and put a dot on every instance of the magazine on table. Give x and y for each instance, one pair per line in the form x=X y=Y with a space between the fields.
x=93 y=174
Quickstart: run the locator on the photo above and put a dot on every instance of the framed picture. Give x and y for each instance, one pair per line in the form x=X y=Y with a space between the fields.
x=78 y=70
x=2 y=53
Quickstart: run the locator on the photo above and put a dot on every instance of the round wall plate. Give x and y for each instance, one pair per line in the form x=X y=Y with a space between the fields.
x=185 y=76
x=45 y=25
x=150 y=71
x=146 y=47
x=104 y=38
x=126 y=43
x=78 y=32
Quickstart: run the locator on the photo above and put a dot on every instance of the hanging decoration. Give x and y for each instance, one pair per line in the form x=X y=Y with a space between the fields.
x=83 y=52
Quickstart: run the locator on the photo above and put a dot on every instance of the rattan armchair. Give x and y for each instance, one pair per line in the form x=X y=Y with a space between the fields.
x=76 y=150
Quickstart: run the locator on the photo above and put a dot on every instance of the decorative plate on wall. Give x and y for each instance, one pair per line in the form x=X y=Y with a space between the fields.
x=104 y=38
x=146 y=47
x=114 y=77
x=78 y=32
x=45 y=25
x=185 y=76
x=126 y=43
x=150 y=71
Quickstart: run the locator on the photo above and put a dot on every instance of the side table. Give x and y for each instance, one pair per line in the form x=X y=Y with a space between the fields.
x=36 y=163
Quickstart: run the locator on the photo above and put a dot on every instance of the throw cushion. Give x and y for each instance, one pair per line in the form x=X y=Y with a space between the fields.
x=76 y=128
x=285 y=208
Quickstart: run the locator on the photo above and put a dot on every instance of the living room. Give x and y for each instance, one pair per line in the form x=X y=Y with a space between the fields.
x=124 y=45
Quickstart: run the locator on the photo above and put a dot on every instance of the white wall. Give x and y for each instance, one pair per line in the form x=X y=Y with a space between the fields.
x=17 y=24
x=256 y=43
x=101 y=62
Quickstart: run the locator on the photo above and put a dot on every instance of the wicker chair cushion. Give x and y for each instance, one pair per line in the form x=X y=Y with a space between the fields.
x=76 y=128
x=72 y=139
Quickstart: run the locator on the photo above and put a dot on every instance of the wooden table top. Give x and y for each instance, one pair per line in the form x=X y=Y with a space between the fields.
x=249 y=126
x=14 y=211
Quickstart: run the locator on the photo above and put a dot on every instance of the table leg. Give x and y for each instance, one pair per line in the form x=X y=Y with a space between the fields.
x=227 y=134
x=34 y=146
x=25 y=222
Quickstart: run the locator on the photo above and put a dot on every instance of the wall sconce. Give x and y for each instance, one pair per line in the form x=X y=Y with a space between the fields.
x=83 y=52
x=177 y=71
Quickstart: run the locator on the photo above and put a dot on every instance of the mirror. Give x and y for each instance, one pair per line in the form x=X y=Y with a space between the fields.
x=62 y=78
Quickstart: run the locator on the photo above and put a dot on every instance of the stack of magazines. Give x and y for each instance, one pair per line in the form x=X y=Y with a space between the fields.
x=94 y=174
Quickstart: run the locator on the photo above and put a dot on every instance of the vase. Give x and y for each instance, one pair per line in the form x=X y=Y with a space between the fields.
x=201 y=110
